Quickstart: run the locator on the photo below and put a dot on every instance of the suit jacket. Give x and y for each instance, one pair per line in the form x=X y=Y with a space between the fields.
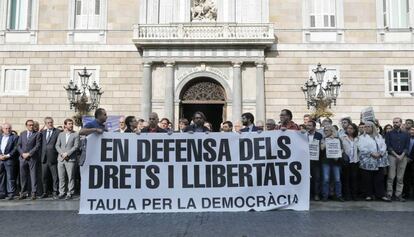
x=11 y=147
x=71 y=147
x=246 y=129
x=29 y=145
x=159 y=130
x=49 y=152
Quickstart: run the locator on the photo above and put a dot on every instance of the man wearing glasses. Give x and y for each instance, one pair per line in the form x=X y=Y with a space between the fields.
x=28 y=145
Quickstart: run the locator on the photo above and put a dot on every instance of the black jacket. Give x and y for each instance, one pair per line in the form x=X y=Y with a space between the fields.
x=49 y=152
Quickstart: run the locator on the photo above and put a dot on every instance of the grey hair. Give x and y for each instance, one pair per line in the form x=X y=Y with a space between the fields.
x=6 y=123
x=374 y=128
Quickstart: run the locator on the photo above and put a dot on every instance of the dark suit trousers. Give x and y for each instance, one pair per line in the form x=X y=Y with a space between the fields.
x=28 y=170
x=49 y=168
x=316 y=178
x=7 y=178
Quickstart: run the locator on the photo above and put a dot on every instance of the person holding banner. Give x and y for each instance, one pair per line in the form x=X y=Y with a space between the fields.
x=350 y=165
x=286 y=122
x=373 y=159
x=198 y=123
x=248 y=123
x=314 y=139
x=331 y=149
x=153 y=127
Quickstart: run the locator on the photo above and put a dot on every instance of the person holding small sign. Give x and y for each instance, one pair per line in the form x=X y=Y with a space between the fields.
x=314 y=139
x=372 y=163
x=331 y=153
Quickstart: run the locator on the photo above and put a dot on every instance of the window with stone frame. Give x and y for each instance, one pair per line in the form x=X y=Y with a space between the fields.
x=20 y=14
x=14 y=80
x=396 y=13
x=88 y=14
x=399 y=81
x=322 y=13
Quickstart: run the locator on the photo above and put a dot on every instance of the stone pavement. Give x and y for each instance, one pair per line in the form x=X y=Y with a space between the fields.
x=60 y=218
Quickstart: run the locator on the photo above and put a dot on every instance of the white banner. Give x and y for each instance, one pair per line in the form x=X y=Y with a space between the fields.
x=130 y=173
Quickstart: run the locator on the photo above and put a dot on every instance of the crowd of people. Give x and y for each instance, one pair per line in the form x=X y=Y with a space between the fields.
x=376 y=163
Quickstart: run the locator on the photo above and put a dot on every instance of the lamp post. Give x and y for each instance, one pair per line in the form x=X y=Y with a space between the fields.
x=320 y=96
x=78 y=98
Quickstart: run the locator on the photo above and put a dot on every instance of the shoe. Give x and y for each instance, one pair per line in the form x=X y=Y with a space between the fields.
x=316 y=198
x=68 y=197
x=55 y=197
x=368 y=198
x=61 y=196
x=385 y=199
x=2 y=196
x=340 y=199
x=399 y=199
x=324 y=199
x=22 y=196
x=33 y=197
x=348 y=199
x=44 y=195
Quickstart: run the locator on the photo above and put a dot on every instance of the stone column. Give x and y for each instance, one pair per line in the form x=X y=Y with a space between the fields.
x=237 y=91
x=169 y=91
x=146 y=103
x=260 y=92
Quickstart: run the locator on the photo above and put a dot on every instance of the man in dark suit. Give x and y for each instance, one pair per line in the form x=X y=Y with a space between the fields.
x=29 y=144
x=314 y=137
x=153 y=125
x=8 y=150
x=248 y=123
x=49 y=157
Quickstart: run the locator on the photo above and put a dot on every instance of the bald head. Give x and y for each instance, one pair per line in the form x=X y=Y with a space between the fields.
x=153 y=120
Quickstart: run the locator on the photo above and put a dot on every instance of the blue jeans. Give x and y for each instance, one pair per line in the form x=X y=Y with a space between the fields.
x=327 y=169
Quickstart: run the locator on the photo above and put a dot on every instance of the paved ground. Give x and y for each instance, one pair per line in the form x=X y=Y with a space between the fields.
x=60 y=218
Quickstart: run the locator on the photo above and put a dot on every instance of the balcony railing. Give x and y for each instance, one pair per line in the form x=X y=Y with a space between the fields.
x=205 y=33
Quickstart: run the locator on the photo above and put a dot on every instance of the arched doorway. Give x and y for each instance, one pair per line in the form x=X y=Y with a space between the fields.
x=206 y=95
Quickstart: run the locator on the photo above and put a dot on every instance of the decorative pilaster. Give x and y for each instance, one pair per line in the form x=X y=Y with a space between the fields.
x=146 y=105
x=237 y=91
x=169 y=91
x=260 y=91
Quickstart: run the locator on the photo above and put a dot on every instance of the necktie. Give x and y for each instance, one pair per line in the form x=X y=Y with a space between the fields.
x=29 y=134
x=48 y=135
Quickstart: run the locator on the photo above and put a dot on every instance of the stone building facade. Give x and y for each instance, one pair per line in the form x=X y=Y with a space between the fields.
x=224 y=57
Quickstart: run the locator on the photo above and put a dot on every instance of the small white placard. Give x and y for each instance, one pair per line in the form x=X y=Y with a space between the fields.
x=333 y=148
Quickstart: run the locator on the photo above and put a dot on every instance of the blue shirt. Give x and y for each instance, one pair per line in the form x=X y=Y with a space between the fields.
x=95 y=124
x=397 y=141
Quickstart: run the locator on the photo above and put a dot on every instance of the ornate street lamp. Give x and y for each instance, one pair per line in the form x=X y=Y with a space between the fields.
x=318 y=97
x=78 y=99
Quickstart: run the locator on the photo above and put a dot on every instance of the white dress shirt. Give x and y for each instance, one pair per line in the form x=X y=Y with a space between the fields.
x=4 y=141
